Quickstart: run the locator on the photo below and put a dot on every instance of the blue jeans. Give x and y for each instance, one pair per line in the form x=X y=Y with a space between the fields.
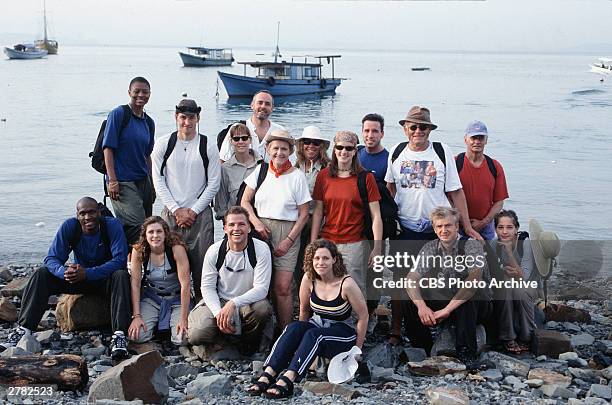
x=487 y=233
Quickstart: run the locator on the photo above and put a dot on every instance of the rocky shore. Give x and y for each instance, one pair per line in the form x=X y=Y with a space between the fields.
x=580 y=326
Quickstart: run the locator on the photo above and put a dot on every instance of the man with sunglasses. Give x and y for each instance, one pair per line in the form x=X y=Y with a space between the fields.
x=258 y=123
x=187 y=177
x=417 y=195
x=235 y=282
x=483 y=180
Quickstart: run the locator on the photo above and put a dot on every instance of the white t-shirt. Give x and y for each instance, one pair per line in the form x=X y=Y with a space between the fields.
x=421 y=180
x=227 y=150
x=279 y=197
x=184 y=184
x=244 y=287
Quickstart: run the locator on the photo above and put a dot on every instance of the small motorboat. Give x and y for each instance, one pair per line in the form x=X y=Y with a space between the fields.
x=199 y=57
x=603 y=67
x=420 y=69
x=25 y=51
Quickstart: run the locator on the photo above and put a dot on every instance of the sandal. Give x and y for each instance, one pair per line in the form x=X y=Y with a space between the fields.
x=283 y=391
x=512 y=347
x=259 y=387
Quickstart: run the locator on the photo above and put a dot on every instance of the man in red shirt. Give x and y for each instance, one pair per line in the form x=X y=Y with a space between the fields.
x=483 y=180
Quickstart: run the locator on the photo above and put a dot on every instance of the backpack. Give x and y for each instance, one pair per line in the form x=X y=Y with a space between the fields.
x=171 y=261
x=388 y=209
x=494 y=255
x=78 y=232
x=263 y=171
x=437 y=146
x=97 y=154
x=222 y=134
x=461 y=158
x=223 y=252
x=172 y=144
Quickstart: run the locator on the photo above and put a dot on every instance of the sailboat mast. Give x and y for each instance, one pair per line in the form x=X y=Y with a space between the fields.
x=45 y=18
x=277 y=52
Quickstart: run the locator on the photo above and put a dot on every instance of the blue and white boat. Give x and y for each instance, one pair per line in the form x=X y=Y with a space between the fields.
x=25 y=51
x=199 y=57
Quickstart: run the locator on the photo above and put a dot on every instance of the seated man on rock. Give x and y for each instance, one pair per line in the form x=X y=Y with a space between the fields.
x=98 y=266
x=450 y=281
x=235 y=281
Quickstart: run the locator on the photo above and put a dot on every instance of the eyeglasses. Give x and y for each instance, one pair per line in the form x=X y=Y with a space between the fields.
x=228 y=268
x=241 y=138
x=315 y=142
x=422 y=127
x=341 y=147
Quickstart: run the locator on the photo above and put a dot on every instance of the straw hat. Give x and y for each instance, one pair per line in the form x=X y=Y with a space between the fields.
x=545 y=246
x=312 y=132
x=280 y=135
x=343 y=366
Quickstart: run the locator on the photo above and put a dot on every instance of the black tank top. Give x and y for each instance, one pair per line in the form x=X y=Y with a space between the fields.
x=337 y=309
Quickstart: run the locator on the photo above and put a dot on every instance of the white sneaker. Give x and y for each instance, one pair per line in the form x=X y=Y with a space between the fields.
x=119 y=346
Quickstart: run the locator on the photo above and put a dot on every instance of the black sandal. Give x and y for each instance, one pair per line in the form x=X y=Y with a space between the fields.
x=259 y=387
x=284 y=391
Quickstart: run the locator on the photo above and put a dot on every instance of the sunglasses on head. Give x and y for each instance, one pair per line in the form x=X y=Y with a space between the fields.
x=422 y=127
x=243 y=138
x=341 y=147
x=315 y=142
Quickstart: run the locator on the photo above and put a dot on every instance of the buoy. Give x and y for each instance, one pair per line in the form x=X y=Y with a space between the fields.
x=39 y=224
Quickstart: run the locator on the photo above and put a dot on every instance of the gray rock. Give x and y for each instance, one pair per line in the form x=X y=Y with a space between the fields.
x=327 y=388
x=100 y=368
x=555 y=391
x=29 y=344
x=568 y=356
x=607 y=373
x=204 y=386
x=436 y=366
x=195 y=401
x=94 y=352
x=508 y=365
x=8 y=310
x=14 y=351
x=550 y=377
x=119 y=382
x=180 y=369
x=492 y=374
x=47 y=336
x=383 y=355
x=552 y=325
x=584 y=339
x=587 y=375
x=413 y=354
x=114 y=402
x=534 y=383
x=5 y=274
x=578 y=363
x=380 y=374
x=445 y=342
x=514 y=382
x=572 y=327
x=15 y=287
x=541 y=358
x=447 y=396
x=257 y=366
x=600 y=391
x=604 y=346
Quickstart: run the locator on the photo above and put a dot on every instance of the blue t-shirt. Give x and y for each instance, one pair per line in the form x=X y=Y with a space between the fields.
x=132 y=146
x=375 y=162
x=90 y=252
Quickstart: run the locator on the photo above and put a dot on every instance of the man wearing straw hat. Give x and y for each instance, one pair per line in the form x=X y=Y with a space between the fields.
x=187 y=175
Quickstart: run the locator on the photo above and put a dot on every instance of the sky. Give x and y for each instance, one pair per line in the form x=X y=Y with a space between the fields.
x=478 y=26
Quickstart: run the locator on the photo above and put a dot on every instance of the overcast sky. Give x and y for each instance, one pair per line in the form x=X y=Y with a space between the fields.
x=491 y=25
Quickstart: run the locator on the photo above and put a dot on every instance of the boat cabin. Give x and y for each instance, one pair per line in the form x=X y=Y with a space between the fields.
x=293 y=70
x=212 y=53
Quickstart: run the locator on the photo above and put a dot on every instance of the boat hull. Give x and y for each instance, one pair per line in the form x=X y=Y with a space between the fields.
x=14 y=54
x=49 y=46
x=202 y=61
x=601 y=70
x=245 y=86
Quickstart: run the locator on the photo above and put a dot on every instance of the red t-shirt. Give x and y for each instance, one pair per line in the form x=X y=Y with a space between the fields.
x=481 y=189
x=342 y=206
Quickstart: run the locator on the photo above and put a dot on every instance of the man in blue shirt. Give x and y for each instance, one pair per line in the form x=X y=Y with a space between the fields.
x=373 y=156
x=127 y=156
x=98 y=267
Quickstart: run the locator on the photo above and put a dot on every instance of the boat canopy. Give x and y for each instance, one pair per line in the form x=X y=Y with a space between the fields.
x=213 y=52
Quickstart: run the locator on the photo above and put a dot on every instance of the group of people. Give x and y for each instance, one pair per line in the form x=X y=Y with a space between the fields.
x=293 y=212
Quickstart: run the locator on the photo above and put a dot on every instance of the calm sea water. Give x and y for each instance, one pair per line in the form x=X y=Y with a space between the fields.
x=549 y=123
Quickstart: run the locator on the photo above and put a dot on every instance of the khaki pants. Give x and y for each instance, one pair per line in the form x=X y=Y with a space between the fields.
x=198 y=239
x=149 y=311
x=134 y=205
x=203 y=325
x=355 y=256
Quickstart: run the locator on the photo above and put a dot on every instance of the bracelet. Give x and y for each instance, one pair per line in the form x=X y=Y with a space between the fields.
x=291 y=239
x=113 y=182
x=136 y=316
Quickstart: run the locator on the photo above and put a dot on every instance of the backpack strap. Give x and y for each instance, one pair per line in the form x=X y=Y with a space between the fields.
x=459 y=161
x=491 y=165
x=204 y=154
x=127 y=115
x=461 y=247
x=104 y=238
x=251 y=252
x=362 y=186
x=263 y=172
x=223 y=252
x=169 y=149
x=171 y=261
x=439 y=149
x=522 y=235
x=398 y=149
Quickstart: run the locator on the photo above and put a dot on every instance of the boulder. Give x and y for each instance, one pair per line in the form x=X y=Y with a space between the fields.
x=555 y=391
x=568 y=356
x=550 y=377
x=380 y=374
x=5 y=274
x=550 y=343
x=15 y=288
x=205 y=385
x=14 y=351
x=564 y=313
x=600 y=391
x=447 y=396
x=29 y=344
x=492 y=374
x=445 y=342
x=436 y=366
x=8 y=310
x=207 y=353
x=584 y=339
x=604 y=346
x=413 y=354
x=142 y=376
x=82 y=312
x=179 y=369
x=384 y=355
x=47 y=336
x=327 y=388
x=508 y=365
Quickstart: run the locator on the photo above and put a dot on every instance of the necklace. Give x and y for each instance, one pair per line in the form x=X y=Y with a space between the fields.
x=185 y=143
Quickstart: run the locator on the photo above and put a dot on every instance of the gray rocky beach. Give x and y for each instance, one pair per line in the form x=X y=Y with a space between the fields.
x=572 y=362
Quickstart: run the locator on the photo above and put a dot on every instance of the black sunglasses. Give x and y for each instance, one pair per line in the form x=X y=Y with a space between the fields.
x=422 y=127
x=341 y=147
x=228 y=268
x=241 y=138
x=315 y=142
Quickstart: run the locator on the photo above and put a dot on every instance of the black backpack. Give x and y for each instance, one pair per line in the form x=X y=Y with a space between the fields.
x=263 y=171
x=494 y=255
x=388 y=209
x=171 y=261
x=97 y=154
x=461 y=158
x=222 y=134
x=223 y=252
x=436 y=145
x=172 y=143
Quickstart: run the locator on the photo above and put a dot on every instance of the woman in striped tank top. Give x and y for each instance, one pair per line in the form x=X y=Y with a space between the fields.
x=328 y=295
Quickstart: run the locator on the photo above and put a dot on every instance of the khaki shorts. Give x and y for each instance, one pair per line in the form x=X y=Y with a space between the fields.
x=279 y=231
x=355 y=256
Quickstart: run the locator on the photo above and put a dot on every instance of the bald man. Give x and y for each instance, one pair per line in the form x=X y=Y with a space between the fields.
x=99 y=262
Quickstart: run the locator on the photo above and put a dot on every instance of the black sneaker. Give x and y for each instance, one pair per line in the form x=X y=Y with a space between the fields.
x=119 y=346
x=468 y=358
x=14 y=337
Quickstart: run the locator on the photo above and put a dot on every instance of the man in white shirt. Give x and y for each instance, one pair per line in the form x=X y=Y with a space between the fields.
x=187 y=175
x=258 y=123
x=235 y=282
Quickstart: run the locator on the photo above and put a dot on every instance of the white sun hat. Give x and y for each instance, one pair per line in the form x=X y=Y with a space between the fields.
x=343 y=366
